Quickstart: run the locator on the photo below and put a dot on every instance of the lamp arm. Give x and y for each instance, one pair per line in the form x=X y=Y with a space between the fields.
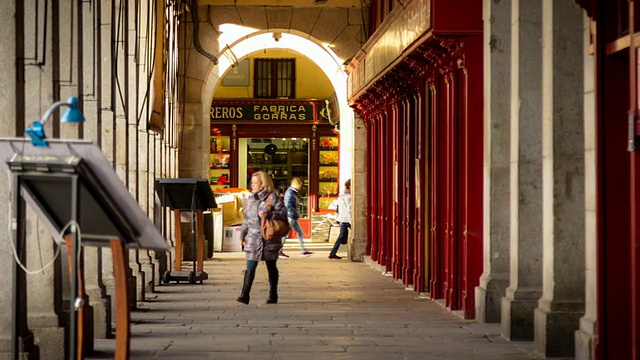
x=47 y=114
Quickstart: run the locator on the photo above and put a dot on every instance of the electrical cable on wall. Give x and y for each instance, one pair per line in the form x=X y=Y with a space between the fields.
x=196 y=34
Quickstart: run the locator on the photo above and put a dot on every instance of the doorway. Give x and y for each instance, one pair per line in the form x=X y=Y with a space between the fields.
x=281 y=158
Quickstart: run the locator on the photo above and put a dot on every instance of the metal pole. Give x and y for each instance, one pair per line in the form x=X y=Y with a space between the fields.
x=17 y=240
x=73 y=328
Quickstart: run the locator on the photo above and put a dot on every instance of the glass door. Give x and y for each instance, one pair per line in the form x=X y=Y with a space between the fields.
x=283 y=159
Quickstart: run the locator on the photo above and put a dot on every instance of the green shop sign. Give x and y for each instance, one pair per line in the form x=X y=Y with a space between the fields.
x=262 y=112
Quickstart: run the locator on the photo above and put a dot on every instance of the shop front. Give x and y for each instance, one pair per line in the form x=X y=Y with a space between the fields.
x=286 y=139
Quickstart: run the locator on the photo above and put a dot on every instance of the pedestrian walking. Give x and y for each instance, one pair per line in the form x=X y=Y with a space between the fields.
x=291 y=201
x=344 y=218
x=262 y=203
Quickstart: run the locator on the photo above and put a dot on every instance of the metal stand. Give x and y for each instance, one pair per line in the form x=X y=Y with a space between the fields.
x=193 y=195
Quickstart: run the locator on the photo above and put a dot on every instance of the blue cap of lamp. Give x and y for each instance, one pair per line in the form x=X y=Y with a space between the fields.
x=72 y=115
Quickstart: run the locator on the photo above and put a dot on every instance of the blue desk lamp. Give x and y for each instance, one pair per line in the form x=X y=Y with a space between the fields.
x=72 y=115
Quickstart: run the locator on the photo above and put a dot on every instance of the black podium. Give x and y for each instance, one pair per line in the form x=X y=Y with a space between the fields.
x=75 y=193
x=195 y=196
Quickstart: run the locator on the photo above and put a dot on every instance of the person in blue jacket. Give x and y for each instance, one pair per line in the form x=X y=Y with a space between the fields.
x=291 y=202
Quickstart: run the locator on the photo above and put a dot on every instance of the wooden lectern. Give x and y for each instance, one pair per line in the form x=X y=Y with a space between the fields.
x=195 y=196
x=74 y=191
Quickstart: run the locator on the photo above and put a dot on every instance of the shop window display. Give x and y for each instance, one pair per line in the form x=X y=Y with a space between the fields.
x=219 y=162
x=328 y=170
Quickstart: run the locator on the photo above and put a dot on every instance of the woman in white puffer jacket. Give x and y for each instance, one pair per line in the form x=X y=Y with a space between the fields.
x=344 y=218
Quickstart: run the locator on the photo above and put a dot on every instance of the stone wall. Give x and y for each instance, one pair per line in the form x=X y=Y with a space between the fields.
x=320 y=226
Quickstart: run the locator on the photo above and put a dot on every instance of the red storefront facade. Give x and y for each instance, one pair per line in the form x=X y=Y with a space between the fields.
x=422 y=105
x=614 y=44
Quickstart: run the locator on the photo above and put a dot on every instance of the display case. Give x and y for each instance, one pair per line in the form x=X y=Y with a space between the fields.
x=283 y=165
x=276 y=165
x=219 y=162
x=328 y=157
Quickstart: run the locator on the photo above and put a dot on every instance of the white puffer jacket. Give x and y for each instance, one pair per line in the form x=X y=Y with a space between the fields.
x=344 y=209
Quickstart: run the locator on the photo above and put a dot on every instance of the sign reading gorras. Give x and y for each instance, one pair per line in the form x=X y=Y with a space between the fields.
x=262 y=112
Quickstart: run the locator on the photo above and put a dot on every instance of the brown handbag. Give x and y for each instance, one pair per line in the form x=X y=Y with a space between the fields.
x=272 y=229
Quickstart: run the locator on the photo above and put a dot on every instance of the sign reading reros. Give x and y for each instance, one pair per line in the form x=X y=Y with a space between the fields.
x=262 y=112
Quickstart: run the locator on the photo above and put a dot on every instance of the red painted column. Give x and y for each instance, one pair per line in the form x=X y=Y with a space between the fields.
x=375 y=185
x=409 y=225
x=396 y=180
x=455 y=209
x=383 y=182
x=400 y=191
x=465 y=257
x=448 y=191
x=388 y=190
x=634 y=243
x=419 y=126
x=437 y=173
x=370 y=183
x=461 y=258
x=472 y=110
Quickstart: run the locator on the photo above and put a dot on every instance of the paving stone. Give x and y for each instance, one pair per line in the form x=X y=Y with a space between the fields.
x=327 y=309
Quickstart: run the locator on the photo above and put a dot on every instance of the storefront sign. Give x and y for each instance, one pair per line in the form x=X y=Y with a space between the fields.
x=237 y=75
x=260 y=112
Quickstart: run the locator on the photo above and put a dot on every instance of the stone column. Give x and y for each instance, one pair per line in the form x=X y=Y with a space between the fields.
x=525 y=280
x=136 y=166
x=497 y=55
x=126 y=134
x=358 y=244
x=144 y=261
x=9 y=99
x=585 y=337
x=44 y=288
x=47 y=298
x=107 y=124
x=562 y=302
x=155 y=160
x=159 y=258
x=92 y=130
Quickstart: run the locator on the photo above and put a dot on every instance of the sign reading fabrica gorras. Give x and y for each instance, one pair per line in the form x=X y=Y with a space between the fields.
x=262 y=112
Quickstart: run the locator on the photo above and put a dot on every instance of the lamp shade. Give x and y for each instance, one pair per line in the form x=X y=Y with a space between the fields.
x=73 y=114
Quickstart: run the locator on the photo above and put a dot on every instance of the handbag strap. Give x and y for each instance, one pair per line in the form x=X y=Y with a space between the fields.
x=268 y=202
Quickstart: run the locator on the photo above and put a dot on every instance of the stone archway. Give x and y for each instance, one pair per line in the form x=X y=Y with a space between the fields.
x=321 y=55
x=335 y=26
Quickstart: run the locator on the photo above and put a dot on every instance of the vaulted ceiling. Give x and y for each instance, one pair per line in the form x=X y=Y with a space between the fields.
x=341 y=25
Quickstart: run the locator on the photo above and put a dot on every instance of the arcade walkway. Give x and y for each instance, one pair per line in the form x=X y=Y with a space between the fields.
x=329 y=309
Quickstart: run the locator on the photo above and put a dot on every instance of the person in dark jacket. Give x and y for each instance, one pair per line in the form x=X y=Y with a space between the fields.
x=291 y=201
x=262 y=197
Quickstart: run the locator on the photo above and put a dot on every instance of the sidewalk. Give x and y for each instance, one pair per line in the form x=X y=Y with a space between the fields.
x=327 y=309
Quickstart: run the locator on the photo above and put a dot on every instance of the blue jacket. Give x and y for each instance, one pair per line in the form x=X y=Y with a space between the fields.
x=291 y=202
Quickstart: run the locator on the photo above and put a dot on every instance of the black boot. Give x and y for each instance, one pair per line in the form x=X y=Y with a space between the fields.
x=246 y=287
x=274 y=275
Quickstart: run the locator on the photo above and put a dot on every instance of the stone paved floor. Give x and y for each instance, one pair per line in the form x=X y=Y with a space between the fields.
x=328 y=309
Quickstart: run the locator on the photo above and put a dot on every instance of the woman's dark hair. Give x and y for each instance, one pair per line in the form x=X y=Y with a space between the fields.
x=347 y=184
